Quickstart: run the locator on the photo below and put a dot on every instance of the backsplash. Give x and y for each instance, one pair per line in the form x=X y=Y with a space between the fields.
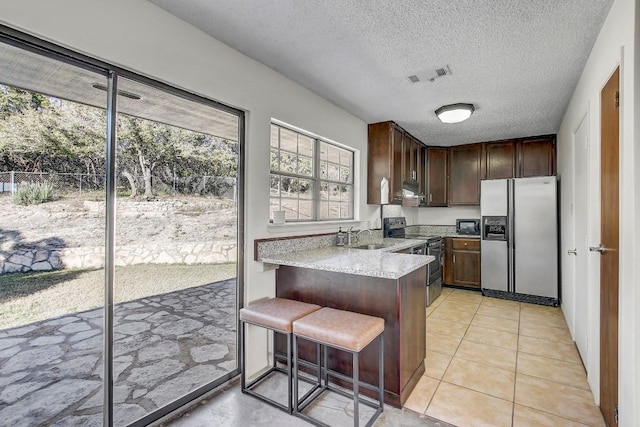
x=265 y=248
x=438 y=230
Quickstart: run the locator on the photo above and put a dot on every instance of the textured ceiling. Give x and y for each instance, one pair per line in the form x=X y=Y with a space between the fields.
x=517 y=61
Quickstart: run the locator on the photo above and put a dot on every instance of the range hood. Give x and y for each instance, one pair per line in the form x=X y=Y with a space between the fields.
x=410 y=196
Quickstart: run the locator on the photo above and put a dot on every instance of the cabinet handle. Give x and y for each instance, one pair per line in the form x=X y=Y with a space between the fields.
x=454 y=258
x=430 y=197
x=465 y=243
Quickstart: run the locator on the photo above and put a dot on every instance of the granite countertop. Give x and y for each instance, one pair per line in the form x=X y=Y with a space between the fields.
x=363 y=262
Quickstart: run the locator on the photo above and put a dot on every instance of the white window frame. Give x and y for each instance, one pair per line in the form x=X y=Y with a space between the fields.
x=315 y=178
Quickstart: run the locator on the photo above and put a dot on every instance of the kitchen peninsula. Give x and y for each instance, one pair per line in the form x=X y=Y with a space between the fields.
x=377 y=282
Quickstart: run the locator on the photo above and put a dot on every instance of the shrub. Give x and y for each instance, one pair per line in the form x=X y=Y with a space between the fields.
x=31 y=193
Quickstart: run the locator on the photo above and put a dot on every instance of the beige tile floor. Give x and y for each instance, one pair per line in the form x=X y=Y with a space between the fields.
x=492 y=362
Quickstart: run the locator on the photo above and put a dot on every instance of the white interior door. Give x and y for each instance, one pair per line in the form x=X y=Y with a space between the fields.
x=581 y=216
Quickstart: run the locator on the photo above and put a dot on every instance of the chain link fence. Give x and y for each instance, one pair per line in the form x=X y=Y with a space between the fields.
x=77 y=183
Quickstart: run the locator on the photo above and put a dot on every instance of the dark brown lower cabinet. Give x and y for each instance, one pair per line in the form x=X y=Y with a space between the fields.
x=462 y=262
x=400 y=302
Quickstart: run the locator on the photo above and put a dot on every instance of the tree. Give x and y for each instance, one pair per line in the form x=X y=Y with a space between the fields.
x=145 y=144
x=39 y=134
x=17 y=101
x=46 y=134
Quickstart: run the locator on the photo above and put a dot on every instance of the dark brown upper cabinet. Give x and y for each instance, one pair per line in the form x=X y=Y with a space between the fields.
x=464 y=174
x=449 y=176
x=536 y=156
x=519 y=158
x=412 y=157
x=436 y=177
x=384 y=159
x=499 y=159
x=393 y=154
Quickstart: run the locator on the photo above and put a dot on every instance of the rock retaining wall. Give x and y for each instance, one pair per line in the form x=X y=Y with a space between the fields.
x=42 y=259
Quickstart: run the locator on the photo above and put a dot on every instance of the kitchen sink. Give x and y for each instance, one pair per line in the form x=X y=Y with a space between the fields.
x=371 y=246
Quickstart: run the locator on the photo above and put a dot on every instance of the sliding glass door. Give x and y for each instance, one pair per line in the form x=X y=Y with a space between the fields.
x=120 y=247
x=176 y=248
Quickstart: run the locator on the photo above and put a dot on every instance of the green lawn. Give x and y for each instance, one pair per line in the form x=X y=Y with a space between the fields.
x=35 y=296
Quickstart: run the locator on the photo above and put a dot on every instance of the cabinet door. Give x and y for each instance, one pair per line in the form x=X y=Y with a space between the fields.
x=415 y=159
x=398 y=162
x=537 y=157
x=464 y=174
x=422 y=174
x=436 y=176
x=466 y=268
x=379 y=160
x=447 y=268
x=419 y=165
x=500 y=159
x=411 y=148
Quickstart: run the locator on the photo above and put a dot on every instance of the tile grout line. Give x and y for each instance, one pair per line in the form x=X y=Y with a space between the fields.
x=517 y=354
x=440 y=381
x=445 y=369
x=533 y=376
x=515 y=372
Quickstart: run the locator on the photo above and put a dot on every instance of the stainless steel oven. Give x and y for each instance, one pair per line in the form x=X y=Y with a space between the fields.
x=395 y=227
x=434 y=286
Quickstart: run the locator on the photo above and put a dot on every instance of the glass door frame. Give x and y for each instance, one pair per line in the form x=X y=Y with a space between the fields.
x=28 y=42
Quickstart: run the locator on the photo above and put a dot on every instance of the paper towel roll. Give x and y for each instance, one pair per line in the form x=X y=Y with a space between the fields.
x=384 y=191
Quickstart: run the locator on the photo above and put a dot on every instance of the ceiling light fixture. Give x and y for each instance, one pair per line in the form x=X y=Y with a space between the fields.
x=455 y=113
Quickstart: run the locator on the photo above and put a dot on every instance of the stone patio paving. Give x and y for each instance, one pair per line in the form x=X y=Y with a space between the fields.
x=164 y=346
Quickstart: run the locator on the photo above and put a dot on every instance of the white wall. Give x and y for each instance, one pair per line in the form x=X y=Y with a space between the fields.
x=616 y=45
x=141 y=37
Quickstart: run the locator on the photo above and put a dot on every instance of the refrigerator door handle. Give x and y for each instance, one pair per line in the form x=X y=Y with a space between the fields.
x=511 y=235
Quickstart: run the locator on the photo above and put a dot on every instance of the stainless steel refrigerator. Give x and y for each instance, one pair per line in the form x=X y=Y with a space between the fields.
x=519 y=246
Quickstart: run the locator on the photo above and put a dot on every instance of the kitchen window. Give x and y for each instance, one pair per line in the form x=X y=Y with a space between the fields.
x=311 y=178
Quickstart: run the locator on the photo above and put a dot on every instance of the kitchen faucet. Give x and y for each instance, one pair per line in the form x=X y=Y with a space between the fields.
x=362 y=231
x=354 y=239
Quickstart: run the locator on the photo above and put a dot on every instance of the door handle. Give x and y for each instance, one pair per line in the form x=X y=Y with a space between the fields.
x=572 y=252
x=598 y=248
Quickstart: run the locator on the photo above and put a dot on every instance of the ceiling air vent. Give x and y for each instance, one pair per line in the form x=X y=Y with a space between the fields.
x=430 y=75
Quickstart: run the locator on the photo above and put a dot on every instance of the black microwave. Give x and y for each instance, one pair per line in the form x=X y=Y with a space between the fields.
x=468 y=226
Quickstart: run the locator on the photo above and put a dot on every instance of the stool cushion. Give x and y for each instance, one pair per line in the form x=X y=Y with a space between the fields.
x=339 y=328
x=276 y=313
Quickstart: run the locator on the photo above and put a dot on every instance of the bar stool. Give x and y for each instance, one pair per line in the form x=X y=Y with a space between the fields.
x=346 y=331
x=277 y=315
